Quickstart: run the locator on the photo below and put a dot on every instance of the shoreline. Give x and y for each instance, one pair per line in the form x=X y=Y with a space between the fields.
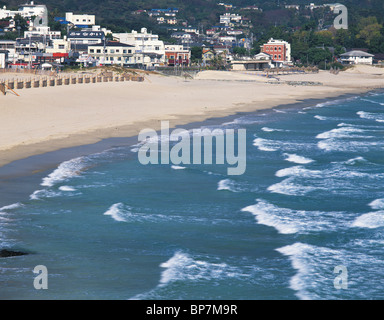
x=49 y=128
x=26 y=173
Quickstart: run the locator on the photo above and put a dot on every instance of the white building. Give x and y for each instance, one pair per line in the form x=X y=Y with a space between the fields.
x=149 y=50
x=357 y=57
x=59 y=46
x=27 y=10
x=228 y=18
x=80 y=19
x=3 y=58
x=113 y=53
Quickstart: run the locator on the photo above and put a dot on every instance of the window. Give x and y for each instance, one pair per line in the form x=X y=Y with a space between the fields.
x=124 y=51
x=91 y=50
x=117 y=51
x=61 y=46
x=279 y=56
x=279 y=48
x=129 y=51
x=112 y=51
x=111 y=58
x=275 y=48
x=98 y=51
x=157 y=48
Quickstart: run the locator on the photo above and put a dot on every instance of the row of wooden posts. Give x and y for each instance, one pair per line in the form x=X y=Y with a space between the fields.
x=67 y=80
x=292 y=70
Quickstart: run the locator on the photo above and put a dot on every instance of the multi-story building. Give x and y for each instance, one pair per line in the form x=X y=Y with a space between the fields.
x=80 y=19
x=149 y=50
x=80 y=40
x=279 y=50
x=113 y=53
x=176 y=55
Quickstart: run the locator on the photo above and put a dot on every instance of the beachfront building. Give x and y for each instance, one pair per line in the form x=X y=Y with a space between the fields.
x=279 y=50
x=80 y=40
x=357 y=57
x=80 y=19
x=149 y=50
x=9 y=47
x=177 y=55
x=59 y=46
x=113 y=53
x=260 y=61
x=3 y=59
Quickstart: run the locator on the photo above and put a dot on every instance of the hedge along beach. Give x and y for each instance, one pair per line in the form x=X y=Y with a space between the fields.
x=45 y=119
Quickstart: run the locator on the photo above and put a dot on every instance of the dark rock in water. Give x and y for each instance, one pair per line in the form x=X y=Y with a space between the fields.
x=9 y=253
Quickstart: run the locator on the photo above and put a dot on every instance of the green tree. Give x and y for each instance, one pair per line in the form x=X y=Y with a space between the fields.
x=370 y=30
x=196 y=54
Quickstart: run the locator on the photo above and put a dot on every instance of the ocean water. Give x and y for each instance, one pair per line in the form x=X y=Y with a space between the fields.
x=311 y=199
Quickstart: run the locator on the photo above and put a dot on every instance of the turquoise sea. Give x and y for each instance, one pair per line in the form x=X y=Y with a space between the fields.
x=107 y=227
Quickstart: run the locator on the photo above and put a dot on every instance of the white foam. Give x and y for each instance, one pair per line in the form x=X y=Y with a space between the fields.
x=322 y=118
x=178 y=167
x=182 y=267
x=265 y=145
x=341 y=132
x=377 y=204
x=347 y=146
x=11 y=206
x=299 y=171
x=227 y=184
x=330 y=103
x=290 y=221
x=65 y=170
x=117 y=212
x=40 y=194
x=67 y=188
x=310 y=262
x=290 y=188
x=240 y=121
x=267 y=129
x=372 y=101
x=297 y=159
x=356 y=161
x=371 y=116
x=371 y=220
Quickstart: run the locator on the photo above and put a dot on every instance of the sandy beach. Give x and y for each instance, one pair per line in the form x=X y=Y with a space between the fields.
x=47 y=119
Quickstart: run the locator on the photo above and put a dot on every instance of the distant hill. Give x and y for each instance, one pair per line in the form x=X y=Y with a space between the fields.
x=118 y=13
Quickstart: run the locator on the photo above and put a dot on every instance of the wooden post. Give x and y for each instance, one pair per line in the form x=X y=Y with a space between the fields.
x=2 y=88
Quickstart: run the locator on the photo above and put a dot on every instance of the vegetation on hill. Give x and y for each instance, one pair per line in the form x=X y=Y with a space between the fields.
x=309 y=31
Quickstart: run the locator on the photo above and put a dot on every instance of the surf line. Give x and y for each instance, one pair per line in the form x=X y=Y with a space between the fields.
x=183 y=152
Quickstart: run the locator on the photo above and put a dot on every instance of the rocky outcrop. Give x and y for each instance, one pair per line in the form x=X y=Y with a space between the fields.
x=4 y=253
